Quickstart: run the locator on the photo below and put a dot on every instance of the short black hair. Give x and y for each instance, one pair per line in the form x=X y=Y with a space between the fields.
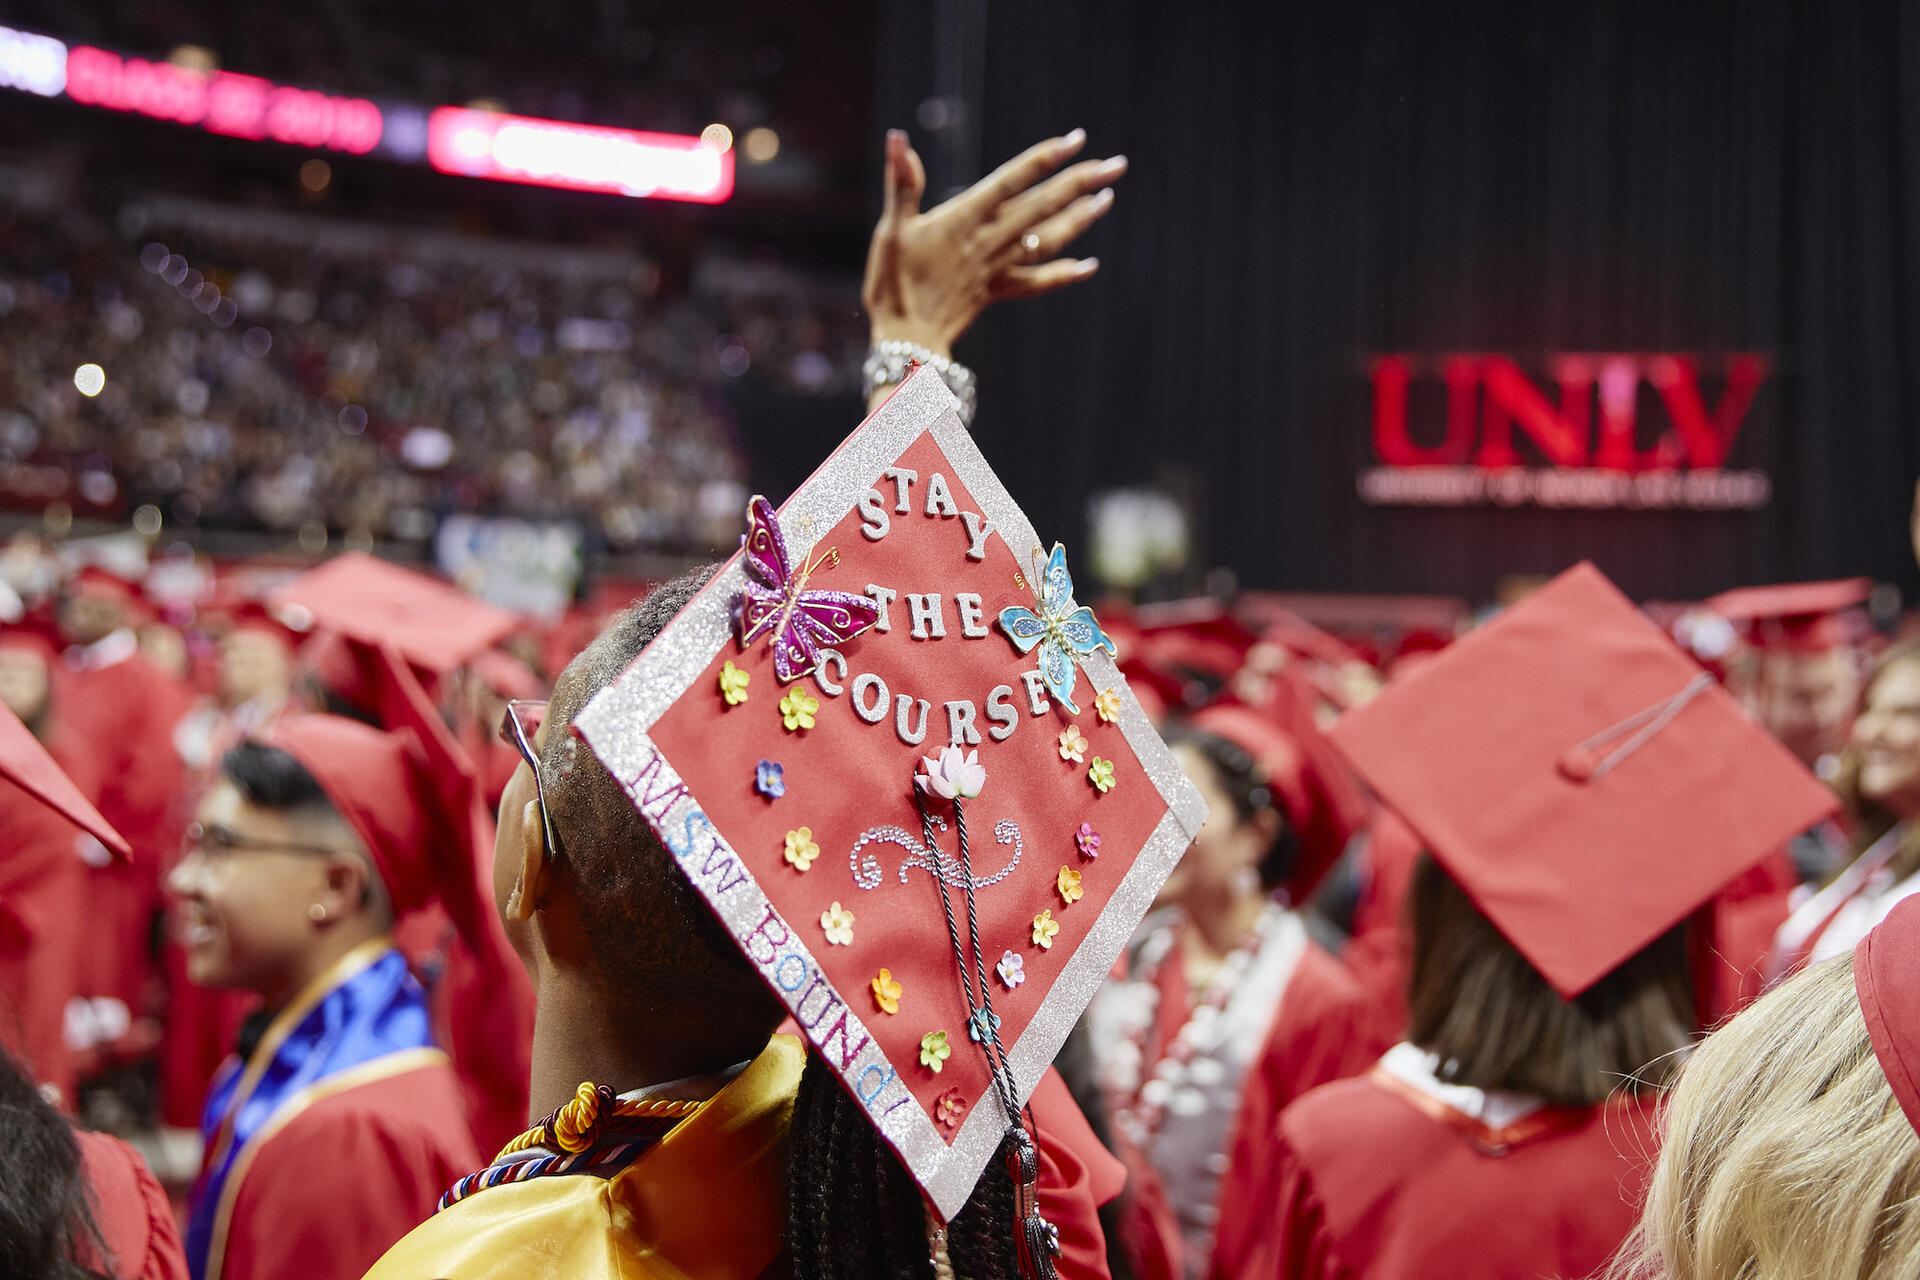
x=647 y=928
x=270 y=778
x=1251 y=791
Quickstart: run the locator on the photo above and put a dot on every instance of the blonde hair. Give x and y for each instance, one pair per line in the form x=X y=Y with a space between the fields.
x=1786 y=1155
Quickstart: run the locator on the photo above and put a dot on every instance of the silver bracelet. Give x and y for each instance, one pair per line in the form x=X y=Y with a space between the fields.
x=887 y=364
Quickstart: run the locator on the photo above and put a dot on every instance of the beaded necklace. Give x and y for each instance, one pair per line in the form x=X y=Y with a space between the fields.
x=594 y=1132
x=1141 y=1107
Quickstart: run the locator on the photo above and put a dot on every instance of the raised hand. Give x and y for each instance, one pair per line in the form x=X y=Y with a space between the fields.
x=929 y=275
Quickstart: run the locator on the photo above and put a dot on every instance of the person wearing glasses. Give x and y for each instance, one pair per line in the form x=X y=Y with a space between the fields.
x=337 y=1122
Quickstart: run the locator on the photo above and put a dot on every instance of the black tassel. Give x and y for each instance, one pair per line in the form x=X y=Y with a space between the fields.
x=1035 y=1239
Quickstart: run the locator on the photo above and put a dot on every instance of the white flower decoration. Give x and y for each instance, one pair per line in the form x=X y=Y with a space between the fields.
x=952 y=776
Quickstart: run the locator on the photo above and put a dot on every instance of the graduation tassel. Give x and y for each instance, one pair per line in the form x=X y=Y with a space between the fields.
x=1035 y=1240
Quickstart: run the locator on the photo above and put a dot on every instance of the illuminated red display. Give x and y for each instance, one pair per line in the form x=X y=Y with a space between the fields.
x=579 y=157
x=1588 y=434
x=240 y=106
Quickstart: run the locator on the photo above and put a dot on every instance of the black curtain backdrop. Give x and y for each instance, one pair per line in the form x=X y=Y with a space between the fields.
x=1312 y=184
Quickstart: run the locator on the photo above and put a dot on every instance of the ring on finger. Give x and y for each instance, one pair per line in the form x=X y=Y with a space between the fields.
x=1030 y=246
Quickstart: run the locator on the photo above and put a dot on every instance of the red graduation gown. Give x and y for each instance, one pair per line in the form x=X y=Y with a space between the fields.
x=340 y=1181
x=1368 y=1183
x=122 y=715
x=1325 y=1029
x=43 y=912
x=132 y=1212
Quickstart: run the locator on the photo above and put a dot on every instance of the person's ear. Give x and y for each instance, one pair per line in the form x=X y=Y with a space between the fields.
x=343 y=890
x=534 y=875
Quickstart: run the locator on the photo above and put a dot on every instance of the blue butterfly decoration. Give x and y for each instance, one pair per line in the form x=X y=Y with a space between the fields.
x=1063 y=638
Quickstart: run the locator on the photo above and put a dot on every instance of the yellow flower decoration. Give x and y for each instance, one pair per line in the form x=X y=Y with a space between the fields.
x=1045 y=929
x=797 y=708
x=733 y=684
x=837 y=921
x=801 y=850
x=1073 y=744
x=887 y=992
x=934 y=1051
x=1069 y=886
x=1106 y=705
x=1100 y=774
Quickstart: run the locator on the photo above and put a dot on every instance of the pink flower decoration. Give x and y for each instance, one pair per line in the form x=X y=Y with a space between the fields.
x=1087 y=840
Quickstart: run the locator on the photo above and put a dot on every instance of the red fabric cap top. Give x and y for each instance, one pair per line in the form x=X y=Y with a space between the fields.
x=1885 y=966
x=1584 y=781
x=1805 y=617
x=817 y=800
x=26 y=763
x=431 y=623
x=30 y=639
x=507 y=676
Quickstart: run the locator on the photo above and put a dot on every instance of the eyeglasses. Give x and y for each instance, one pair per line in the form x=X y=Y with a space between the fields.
x=213 y=839
x=517 y=729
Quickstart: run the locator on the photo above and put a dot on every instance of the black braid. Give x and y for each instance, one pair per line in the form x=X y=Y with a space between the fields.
x=853 y=1213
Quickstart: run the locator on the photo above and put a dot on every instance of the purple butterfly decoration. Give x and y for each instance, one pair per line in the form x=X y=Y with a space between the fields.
x=801 y=621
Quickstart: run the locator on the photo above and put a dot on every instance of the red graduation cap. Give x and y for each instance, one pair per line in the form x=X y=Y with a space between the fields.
x=1584 y=781
x=1802 y=617
x=793 y=807
x=1313 y=784
x=25 y=763
x=1884 y=967
x=431 y=623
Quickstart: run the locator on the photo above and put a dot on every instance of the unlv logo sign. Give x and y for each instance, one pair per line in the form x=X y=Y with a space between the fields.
x=1583 y=447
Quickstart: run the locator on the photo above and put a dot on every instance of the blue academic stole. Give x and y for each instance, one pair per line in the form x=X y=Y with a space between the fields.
x=365 y=1019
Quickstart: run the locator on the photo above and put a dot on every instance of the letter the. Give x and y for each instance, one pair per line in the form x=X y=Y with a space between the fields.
x=972 y=625
x=928 y=621
x=884 y=597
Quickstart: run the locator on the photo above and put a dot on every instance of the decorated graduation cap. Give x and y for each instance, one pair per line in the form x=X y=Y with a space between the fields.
x=432 y=624
x=1798 y=617
x=26 y=764
x=1884 y=966
x=898 y=761
x=1580 y=777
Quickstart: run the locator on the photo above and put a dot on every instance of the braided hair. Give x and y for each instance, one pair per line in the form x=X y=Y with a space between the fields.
x=853 y=1213
x=1242 y=778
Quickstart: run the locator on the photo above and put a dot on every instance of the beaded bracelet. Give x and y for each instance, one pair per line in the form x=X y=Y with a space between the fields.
x=887 y=364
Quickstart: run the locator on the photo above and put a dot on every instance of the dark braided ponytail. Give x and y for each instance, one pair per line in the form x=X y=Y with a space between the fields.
x=854 y=1213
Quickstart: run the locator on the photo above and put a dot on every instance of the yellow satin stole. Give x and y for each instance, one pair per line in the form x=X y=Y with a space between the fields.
x=710 y=1200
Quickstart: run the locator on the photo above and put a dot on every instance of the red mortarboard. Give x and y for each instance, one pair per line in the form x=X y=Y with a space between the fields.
x=432 y=624
x=1885 y=965
x=1585 y=782
x=290 y=624
x=26 y=763
x=820 y=774
x=506 y=675
x=1803 y=617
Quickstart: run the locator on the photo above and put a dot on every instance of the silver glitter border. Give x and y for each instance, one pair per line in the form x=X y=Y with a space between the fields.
x=615 y=724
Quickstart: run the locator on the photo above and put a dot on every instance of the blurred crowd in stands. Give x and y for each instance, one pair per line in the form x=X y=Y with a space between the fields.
x=248 y=359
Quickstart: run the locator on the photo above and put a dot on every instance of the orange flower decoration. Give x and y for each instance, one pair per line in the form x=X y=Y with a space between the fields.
x=1068 y=884
x=887 y=992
